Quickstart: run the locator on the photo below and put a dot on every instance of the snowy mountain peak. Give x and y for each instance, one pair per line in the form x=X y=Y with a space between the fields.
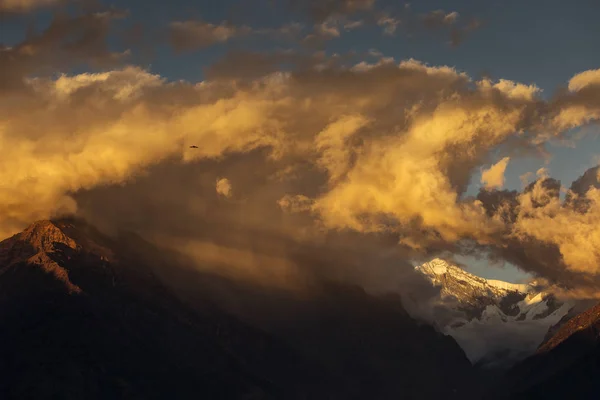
x=465 y=287
x=437 y=267
x=490 y=317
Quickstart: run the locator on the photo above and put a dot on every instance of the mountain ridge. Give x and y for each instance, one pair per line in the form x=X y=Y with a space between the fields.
x=125 y=334
x=121 y=330
x=497 y=323
x=565 y=366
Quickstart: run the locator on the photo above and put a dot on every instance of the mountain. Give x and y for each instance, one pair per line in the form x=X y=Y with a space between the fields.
x=566 y=366
x=85 y=315
x=376 y=348
x=82 y=318
x=497 y=323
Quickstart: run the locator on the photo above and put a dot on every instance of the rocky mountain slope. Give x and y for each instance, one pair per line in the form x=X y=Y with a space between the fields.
x=497 y=323
x=566 y=366
x=82 y=318
x=86 y=316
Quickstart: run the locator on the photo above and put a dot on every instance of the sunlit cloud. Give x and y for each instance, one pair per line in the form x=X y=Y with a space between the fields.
x=224 y=187
x=331 y=153
x=494 y=176
x=27 y=5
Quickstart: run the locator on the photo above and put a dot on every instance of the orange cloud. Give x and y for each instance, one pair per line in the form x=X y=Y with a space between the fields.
x=26 y=5
x=327 y=150
x=494 y=176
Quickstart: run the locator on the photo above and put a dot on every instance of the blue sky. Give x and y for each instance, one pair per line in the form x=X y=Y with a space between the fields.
x=542 y=42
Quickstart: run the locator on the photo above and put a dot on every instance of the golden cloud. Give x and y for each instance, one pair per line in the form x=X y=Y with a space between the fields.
x=26 y=5
x=494 y=176
x=382 y=150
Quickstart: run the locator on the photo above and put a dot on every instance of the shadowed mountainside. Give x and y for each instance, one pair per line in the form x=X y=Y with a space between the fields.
x=86 y=316
x=83 y=319
x=565 y=366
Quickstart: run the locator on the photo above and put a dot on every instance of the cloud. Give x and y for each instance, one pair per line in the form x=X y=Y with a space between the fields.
x=389 y=24
x=327 y=28
x=339 y=164
x=449 y=23
x=328 y=19
x=494 y=176
x=439 y=18
x=584 y=80
x=580 y=104
x=549 y=238
x=21 y=6
x=224 y=187
x=330 y=28
x=196 y=35
x=257 y=65
x=458 y=34
x=576 y=196
x=332 y=21
x=192 y=35
x=295 y=204
x=321 y=10
x=68 y=41
x=332 y=143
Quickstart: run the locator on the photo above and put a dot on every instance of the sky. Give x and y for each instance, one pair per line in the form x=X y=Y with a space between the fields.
x=394 y=117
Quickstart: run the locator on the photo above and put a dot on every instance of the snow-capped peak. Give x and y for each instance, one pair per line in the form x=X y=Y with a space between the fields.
x=511 y=287
x=489 y=317
x=456 y=282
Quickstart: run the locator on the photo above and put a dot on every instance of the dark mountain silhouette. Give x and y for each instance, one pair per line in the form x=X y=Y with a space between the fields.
x=81 y=318
x=567 y=365
x=370 y=342
x=84 y=315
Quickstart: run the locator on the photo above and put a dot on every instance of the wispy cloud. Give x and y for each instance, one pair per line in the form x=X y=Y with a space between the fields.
x=22 y=6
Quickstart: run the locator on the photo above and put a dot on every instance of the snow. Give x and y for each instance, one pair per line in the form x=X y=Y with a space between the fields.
x=484 y=335
x=439 y=267
x=514 y=287
x=435 y=267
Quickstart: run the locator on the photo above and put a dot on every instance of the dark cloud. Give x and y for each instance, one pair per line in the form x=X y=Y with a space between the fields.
x=68 y=41
x=450 y=23
x=246 y=236
x=24 y=6
x=191 y=35
x=502 y=203
x=459 y=34
x=439 y=18
x=195 y=35
x=255 y=65
x=332 y=166
x=321 y=10
x=258 y=65
x=576 y=197
x=545 y=236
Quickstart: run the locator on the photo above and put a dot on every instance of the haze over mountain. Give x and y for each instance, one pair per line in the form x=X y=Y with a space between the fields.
x=85 y=316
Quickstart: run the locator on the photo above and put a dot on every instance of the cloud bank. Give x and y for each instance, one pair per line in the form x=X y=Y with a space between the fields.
x=21 y=6
x=361 y=165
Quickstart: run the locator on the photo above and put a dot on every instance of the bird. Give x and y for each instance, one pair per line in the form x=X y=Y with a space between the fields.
x=193 y=147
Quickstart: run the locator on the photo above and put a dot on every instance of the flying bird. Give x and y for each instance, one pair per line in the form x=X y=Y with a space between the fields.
x=193 y=147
